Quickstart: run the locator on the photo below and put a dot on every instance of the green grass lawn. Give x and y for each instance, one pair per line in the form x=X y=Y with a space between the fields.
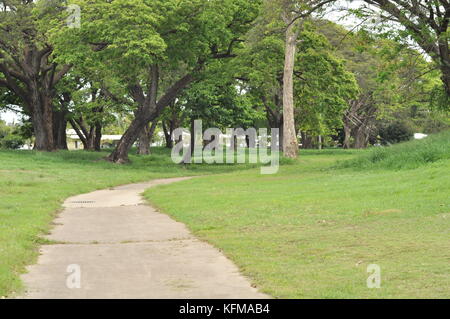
x=308 y=232
x=34 y=185
x=311 y=230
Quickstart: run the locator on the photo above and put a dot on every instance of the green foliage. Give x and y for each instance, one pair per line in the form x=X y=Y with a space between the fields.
x=322 y=85
x=434 y=122
x=124 y=37
x=120 y=40
x=219 y=100
x=406 y=155
x=10 y=137
x=395 y=76
x=12 y=141
x=406 y=22
x=4 y=129
x=8 y=99
x=93 y=106
x=126 y=29
x=397 y=84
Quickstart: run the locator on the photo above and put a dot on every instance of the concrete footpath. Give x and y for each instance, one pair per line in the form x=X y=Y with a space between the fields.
x=113 y=245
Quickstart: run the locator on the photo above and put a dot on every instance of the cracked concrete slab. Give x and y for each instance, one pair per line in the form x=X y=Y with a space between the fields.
x=123 y=248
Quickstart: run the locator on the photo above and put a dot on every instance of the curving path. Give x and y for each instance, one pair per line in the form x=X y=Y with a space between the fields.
x=124 y=248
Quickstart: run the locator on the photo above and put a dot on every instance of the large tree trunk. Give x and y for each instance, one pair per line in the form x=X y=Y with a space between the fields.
x=278 y=123
x=146 y=138
x=91 y=139
x=42 y=119
x=98 y=137
x=347 y=135
x=120 y=153
x=444 y=51
x=275 y=119
x=446 y=80
x=290 y=143
x=151 y=133
x=59 y=129
x=148 y=111
x=167 y=135
x=144 y=141
x=281 y=137
x=361 y=137
x=32 y=77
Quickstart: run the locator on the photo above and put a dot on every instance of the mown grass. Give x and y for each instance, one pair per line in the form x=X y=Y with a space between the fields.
x=34 y=185
x=311 y=230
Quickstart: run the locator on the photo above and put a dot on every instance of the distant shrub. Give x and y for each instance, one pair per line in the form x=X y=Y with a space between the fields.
x=396 y=132
x=12 y=142
x=10 y=137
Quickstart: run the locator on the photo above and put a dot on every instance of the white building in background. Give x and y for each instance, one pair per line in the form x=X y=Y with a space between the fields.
x=419 y=136
x=26 y=147
x=74 y=141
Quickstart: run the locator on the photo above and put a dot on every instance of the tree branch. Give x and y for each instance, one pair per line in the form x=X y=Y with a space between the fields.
x=58 y=76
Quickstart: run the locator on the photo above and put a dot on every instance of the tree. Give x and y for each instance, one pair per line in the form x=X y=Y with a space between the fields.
x=155 y=48
x=293 y=13
x=392 y=78
x=259 y=70
x=28 y=69
x=145 y=138
x=217 y=98
x=88 y=110
x=322 y=85
x=172 y=117
x=425 y=22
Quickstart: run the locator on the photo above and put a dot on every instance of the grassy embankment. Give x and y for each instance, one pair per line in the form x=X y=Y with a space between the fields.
x=311 y=230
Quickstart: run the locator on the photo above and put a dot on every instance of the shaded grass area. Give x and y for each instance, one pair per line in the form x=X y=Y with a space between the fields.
x=406 y=155
x=34 y=185
x=311 y=230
